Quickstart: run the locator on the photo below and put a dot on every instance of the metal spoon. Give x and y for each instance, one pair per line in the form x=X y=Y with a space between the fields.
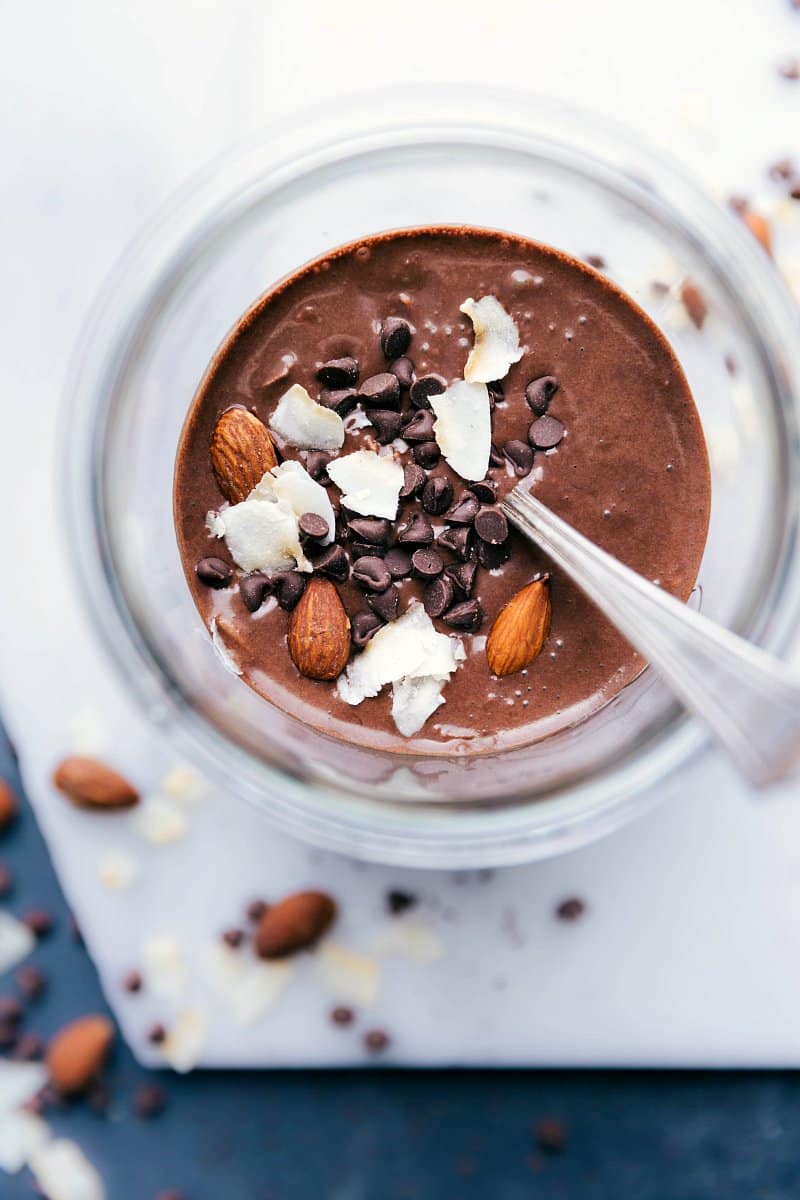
x=750 y=700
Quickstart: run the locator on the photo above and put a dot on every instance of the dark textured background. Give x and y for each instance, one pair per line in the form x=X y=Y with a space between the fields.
x=405 y=1135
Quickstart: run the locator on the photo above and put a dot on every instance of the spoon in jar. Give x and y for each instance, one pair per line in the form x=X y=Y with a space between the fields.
x=750 y=700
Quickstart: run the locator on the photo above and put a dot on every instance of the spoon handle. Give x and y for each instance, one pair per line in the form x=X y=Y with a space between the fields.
x=750 y=700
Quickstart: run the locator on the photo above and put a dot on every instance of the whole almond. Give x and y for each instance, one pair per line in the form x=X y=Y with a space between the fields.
x=759 y=227
x=319 y=631
x=76 y=1053
x=520 y=629
x=9 y=807
x=91 y=784
x=294 y=923
x=241 y=453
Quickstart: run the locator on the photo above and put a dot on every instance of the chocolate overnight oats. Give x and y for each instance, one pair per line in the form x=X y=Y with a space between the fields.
x=338 y=475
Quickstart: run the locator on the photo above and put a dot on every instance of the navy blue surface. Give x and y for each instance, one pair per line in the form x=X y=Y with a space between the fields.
x=403 y=1135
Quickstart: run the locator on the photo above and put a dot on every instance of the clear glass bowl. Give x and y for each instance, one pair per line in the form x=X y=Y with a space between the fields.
x=402 y=158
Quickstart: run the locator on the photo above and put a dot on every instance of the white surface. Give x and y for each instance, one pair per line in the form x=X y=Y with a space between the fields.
x=687 y=953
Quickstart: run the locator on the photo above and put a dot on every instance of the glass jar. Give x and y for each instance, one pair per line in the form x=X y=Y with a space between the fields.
x=403 y=158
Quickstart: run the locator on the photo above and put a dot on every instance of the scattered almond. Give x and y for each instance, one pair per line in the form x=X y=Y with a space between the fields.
x=76 y=1053
x=760 y=228
x=520 y=629
x=294 y=923
x=694 y=302
x=241 y=453
x=91 y=784
x=319 y=631
x=9 y=806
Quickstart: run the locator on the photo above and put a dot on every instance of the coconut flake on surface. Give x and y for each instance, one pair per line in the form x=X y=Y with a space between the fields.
x=163 y=966
x=21 y=1134
x=186 y=1040
x=412 y=938
x=463 y=428
x=496 y=340
x=63 y=1172
x=117 y=870
x=370 y=483
x=250 y=987
x=16 y=942
x=291 y=482
x=303 y=423
x=19 y=1083
x=160 y=820
x=184 y=783
x=349 y=977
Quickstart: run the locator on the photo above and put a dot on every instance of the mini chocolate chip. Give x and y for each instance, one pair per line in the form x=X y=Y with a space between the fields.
x=484 y=490
x=403 y=368
x=289 y=587
x=438 y=596
x=497 y=393
x=794 y=191
x=467 y=615
x=6 y=881
x=375 y=531
x=370 y=574
x=491 y=526
x=339 y=400
x=464 y=511
x=254 y=590
x=11 y=1010
x=427 y=563
x=571 y=909
x=417 y=531
x=496 y=457
x=362 y=549
x=342 y=1015
x=399 y=902
x=313 y=526
x=148 y=1100
x=540 y=392
x=437 y=495
x=789 y=68
x=520 y=455
x=362 y=627
x=382 y=391
x=395 y=337
x=214 y=572
x=132 y=981
x=156 y=1034
x=317 y=465
x=398 y=563
x=39 y=921
x=338 y=372
x=783 y=169
x=256 y=909
x=597 y=261
x=386 y=604
x=413 y=481
x=233 y=938
x=426 y=454
x=30 y=981
x=387 y=424
x=376 y=1040
x=463 y=577
x=550 y=1135
x=420 y=427
x=492 y=557
x=458 y=540
x=423 y=388
x=332 y=563
x=545 y=433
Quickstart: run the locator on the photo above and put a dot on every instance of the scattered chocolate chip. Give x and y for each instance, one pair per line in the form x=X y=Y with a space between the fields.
x=313 y=526
x=148 y=1100
x=362 y=626
x=420 y=427
x=403 y=368
x=597 y=261
x=376 y=1040
x=417 y=531
x=540 y=392
x=426 y=454
x=342 y=1015
x=339 y=400
x=132 y=981
x=427 y=563
x=289 y=587
x=332 y=563
x=550 y=1135
x=459 y=540
x=39 y=921
x=794 y=191
x=464 y=510
x=386 y=423
x=382 y=391
x=254 y=590
x=398 y=901
x=370 y=574
x=438 y=596
x=28 y=1047
x=437 y=495
x=30 y=981
x=395 y=337
x=545 y=433
x=214 y=572
x=317 y=465
x=496 y=457
x=789 y=69
x=491 y=526
x=520 y=455
x=256 y=909
x=398 y=563
x=731 y=365
x=386 y=604
x=375 y=531
x=364 y=550
x=694 y=302
x=11 y=1011
x=571 y=909
x=485 y=490
x=425 y=387
x=492 y=557
x=156 y=1034
x=233 y=938
x=339 y=372
x=467 y=615
x=6 y=881
x=463 y=577
x=413 y=481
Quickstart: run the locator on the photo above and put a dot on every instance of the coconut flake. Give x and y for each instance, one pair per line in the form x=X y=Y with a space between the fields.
x=186 y=1040
x=463 y=428
x=16 y=942
x=411 y=938
x=21 y=1135
x=496 y=340
x=349 y=977
x=63 y=1172
x=160 y=821
x=250 y=987
x=370 y=483
x=117 y=870
x=291 y=482
x=414 y=700
x=19 y=1083
x=184 y=784
x=262 y=535
x=302 y=422
x=163 y=966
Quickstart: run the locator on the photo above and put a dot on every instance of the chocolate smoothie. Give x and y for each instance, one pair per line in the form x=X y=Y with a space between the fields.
x=338 y=475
